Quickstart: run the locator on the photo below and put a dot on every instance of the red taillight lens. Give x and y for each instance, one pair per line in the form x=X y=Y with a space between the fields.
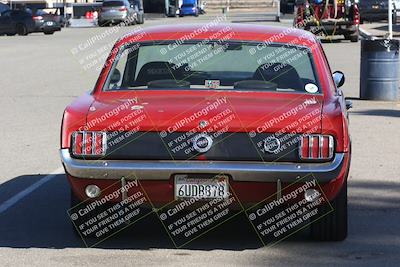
x=316 y=147
x=37 y=18
x=89 y=143
x=123 y=9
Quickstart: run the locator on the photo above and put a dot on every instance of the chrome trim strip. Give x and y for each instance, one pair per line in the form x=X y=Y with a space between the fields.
x=164 y=169
x=321 y=143
x=84 y=143
x=93 y=142
x=104 y=144
x=74 y=135
x=331 y=146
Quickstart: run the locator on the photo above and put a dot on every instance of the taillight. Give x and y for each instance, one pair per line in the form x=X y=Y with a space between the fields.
x=123 y=9
x=89 y=143
x=37 y=17
x=356 y=15
x=316 y=146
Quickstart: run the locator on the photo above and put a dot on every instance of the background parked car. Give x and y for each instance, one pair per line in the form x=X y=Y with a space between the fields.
x=46 y=22
x=16 y=22
x=189 y=8
x=116 y=11
x=375 y=10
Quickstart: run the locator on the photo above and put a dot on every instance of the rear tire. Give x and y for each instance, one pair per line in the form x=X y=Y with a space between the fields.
x=140 y=19
x=21 y=29
x=354 y=38
x=333 y=226
x=102 y=23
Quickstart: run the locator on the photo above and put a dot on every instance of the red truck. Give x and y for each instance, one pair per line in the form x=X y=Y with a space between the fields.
x=329 y=17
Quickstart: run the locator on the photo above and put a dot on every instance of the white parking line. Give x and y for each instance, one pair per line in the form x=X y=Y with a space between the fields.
x=12 y=201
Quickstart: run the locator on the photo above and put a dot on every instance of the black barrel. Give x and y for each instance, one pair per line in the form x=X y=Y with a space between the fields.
x=379 y=78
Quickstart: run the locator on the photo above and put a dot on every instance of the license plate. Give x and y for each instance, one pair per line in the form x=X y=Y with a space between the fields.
x=205 y=188
x=49 y=23
x=375 y=7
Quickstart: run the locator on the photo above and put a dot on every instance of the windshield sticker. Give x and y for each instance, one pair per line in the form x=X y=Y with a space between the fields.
x=212 y=84
x=311 y=88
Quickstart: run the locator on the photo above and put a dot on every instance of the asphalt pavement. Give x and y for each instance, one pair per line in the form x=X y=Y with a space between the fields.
x=41 y=74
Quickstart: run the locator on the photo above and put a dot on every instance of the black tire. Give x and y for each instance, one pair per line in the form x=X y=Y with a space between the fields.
x=49 y=33
x=354 y=38
x=10 y=34
x=140 y=19
x=21 y=29
x=333 y=226
x=102 y=23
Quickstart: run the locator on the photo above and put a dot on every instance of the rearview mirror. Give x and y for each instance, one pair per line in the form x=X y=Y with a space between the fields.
x=115 y=76
x=338 y=78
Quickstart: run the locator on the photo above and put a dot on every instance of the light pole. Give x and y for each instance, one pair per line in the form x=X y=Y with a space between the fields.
x=390 y=22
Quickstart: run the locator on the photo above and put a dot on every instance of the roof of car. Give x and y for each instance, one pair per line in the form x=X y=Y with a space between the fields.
x=237 y=31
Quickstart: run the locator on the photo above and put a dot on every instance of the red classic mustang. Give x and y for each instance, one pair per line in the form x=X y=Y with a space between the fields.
x=210 y=112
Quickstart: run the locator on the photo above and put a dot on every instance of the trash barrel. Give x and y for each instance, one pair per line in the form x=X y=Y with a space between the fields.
x=379 y=74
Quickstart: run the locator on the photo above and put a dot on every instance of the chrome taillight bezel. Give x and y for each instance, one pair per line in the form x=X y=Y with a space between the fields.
x=93 y=152
x=310 y=140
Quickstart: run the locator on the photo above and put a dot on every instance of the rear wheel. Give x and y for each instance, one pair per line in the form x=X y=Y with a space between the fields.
x=102 y=23
x=140 y=19
x=21 y=29
x=354 y=38
x=333 y=226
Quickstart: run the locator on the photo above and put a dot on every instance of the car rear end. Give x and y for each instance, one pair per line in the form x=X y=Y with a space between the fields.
x=114 y=11
x=47 y=23
x=188 y=10
x=373 y=10
x=245 y=127
x=328 y=19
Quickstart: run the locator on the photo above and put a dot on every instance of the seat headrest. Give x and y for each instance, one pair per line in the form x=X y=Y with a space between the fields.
x=158 y=70
x=284 y=75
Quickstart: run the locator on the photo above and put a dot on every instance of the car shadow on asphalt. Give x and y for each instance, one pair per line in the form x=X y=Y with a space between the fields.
x=395 y=113
x=40 y=220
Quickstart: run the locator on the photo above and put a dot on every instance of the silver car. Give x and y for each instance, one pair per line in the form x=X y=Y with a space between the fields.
x=116 y=11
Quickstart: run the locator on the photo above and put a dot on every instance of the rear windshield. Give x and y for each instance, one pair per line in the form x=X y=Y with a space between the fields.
x=214 y=65
x=113 y=3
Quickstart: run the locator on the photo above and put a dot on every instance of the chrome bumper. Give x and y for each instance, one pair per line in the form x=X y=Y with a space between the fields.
x=238 y=170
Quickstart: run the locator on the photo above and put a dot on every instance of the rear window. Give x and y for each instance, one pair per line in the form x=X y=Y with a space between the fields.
x=113 y=3
x=214 y=65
